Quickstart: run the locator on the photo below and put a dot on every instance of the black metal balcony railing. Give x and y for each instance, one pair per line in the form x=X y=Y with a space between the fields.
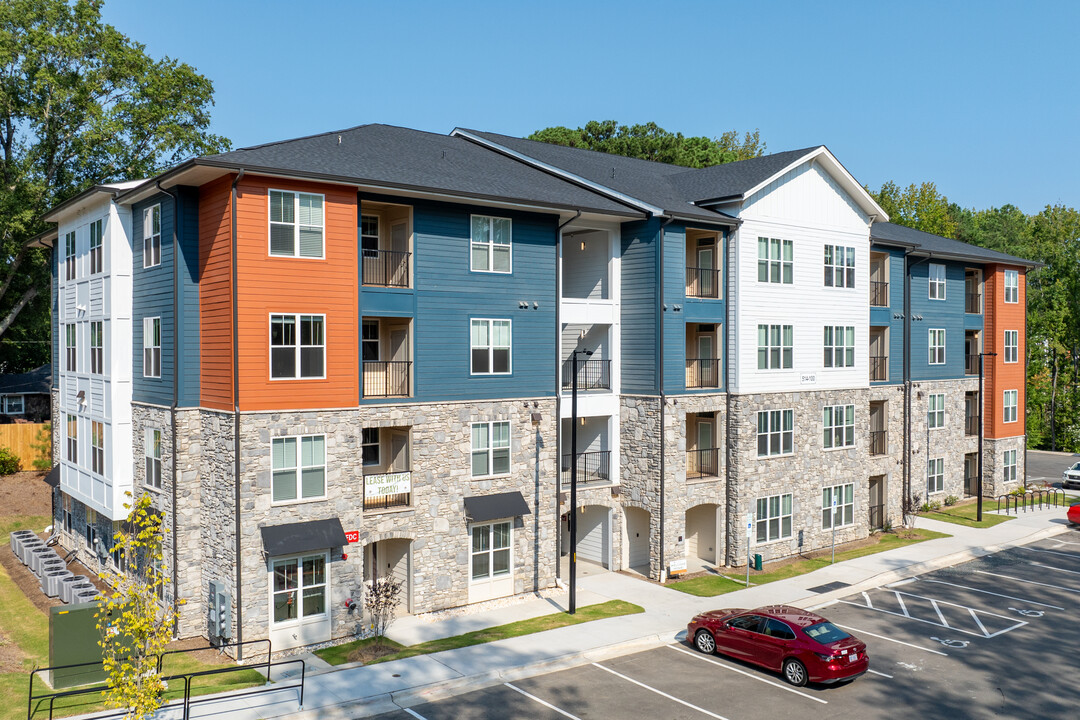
x=971 y=485
x=592 y=467
x=973 y=303
x=879 y=442
x=702 y=282
x=971 y=424
x=702 y=463
x=383 y=501
x=702 y=373
x=385 y=268
x=879 y=368
x=879 y=294
x=591 y=375
x=971 y=364
x=386 y=378
x=877 y=516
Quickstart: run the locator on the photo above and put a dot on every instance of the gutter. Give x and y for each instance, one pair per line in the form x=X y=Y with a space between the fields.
x=236 y=429
x=721 y=342
x=558 y=392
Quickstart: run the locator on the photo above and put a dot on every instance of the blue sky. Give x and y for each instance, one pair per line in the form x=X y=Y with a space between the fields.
x=980 y=97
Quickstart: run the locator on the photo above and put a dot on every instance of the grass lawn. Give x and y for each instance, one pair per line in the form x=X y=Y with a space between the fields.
x=964 y=514
x=339 y=654
x=712 y=585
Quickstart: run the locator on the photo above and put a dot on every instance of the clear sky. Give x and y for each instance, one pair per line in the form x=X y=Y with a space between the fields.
x=981 y=97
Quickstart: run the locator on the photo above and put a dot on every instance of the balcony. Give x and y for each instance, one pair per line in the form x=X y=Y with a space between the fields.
x=702 y=463
x=879 y=368
x=973 y=303
x=879 y=294
x=387 y=490
x=971 y=424
x=386 y=378
x=971 y=364
x=385 y=268
x=592 y=468
x=703 y=373
x=879 y=442
x=702 y=282
x=591 y=375
x=877 y=516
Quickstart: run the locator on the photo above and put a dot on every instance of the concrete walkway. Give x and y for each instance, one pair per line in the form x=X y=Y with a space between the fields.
x=357 y=691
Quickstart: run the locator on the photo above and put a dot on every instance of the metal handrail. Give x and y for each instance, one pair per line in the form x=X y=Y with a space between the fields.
x=591 y=375
x=702 y=372
x=879 y=293
x=592 y=467
x=878 y=442
x=879 y=368
x=386 y=378
x=971 y=364
x=385 y=268
x=702 y=282
x=702 y=463
x=973 y=303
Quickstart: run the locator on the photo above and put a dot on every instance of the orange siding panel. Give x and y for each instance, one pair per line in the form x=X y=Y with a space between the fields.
x=215 y=295
x=1002 y=376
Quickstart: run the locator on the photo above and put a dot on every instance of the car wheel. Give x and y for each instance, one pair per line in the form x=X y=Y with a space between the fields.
x=705 y=642
x=795 y=672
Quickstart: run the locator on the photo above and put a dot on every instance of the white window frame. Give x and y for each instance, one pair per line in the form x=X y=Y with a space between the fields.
x=1009 y=466
x=90 y=531
x=845 y=508
x=295 y=224
x=1009 y=401
x=366 y=443
x=766 y=523
x=490 y=551
x=68 y=515
x=491 y=347
x=298 y=591
x=935 y=349
x=1012 y=286
x=935 y=476
x=490 y=449
x=364 y=252
x=151 y=238
x=1012 y=349
x=488 y=245
x=298 y=346
x=97 y=352
x=9 y=407
x=297 y=469
x=72 y=435
x=96 y=253
x=935 y=411
x=839 y=263
x=785 y=353
x=151 y=352
x=779 y=424
x=838 y=436
x=368 y=342
x=152 y=452
x=936 y=277
x=842 y=349
x=773 y=263
x=70 y=246
x=97 y=451
x=71 y=347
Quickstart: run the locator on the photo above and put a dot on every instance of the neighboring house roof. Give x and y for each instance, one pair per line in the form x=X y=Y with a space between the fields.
x=921 y=243
x=35 y=382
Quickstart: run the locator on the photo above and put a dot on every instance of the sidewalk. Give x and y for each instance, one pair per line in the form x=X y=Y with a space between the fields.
x=357 y=691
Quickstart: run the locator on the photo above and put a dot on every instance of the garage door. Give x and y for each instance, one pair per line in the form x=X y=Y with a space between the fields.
x=637 y=531
x=594 y=535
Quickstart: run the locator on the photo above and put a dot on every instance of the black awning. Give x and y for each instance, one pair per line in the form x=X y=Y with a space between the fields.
x=301 y=537
x=52 y=478
x=491 y=507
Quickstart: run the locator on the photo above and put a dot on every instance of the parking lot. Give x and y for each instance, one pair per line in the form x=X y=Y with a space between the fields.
x=995 y=637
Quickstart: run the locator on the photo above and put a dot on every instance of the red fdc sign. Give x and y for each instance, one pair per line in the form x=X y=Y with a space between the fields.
x=352 y=536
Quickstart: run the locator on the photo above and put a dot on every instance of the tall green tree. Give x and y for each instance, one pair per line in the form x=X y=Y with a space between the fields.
x=80 y=104
x=649 y=141
x=920 y=207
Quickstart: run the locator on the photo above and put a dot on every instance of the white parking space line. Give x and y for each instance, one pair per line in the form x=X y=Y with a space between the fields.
x=1066 y=542
x=975 y=617
x=542 y=702
x=1074 y=556
x=987 y=592
x=879 y=673
x=941 y=617
x=1051 y=567
x=662 y=693
x=1027 y=582
x=767 y=681
x=415 y=714
x=882 y=637
x=942 y=622
x=899 y=599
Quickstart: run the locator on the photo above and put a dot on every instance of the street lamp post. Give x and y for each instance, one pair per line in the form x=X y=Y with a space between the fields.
x=982 y=405
x=573 y=477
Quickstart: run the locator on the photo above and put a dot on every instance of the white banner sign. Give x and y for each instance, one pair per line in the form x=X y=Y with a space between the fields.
x=376 y=486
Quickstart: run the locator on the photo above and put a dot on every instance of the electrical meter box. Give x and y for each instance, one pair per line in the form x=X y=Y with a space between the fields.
x=74 y=638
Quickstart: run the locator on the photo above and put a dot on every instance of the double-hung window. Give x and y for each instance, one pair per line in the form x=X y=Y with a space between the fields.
x=1010 y=466
x=490 y=556
x=775 y=261
x=96 y=254
x=1009 y=406
x=843 y=513
x=839 y=346
x=73 y=439
x=13 y=405
x=839 y=266
x=935 y=475
x=97 y=447
x=97 y=347
x=369 y=446
x=490 y=346
x=935 y=413
x=775 y=432
x=297 y=354
x=302 y=458
x=369 y=341
x=71 y=347
x=937 y=281
x=69 y=517
x=936 y=343
x=91 y=528
x=151 y=222
x=490 y=448
x=773 y=518
x=369 y=236
x=299 y=588
x=491 y=244
x=69 y=256
x=774 y=346
x=151 y=342
x=296 y=224
x=1012 y=286
x=152 y=452
x=1012 y=346
x=839 y=421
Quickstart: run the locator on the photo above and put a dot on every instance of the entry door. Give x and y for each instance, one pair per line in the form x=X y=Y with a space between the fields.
x=706 y=439
x=705 y=354
x=399 y=243
x=877 y=502
x=399 y=353
x=399 y=452
x=707 y=276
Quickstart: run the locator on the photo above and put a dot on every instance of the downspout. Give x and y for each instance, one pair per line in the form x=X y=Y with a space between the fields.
x=907 y=377
x=236 y=428
x=727 y=393
x=558 y=393
x=663 y=399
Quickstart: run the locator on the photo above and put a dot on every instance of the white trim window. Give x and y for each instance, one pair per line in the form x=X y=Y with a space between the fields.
x=936 y=343
x=490 y=555
x=302 y=457
x=839 y=346
x=1009 y=466
x=14 y=405
x=71 y=346
x=491 y=244
x=773 y=518
x=69 y=256
x=97 y=342
x=1012 y=346
x=152 y=452
x=935 y=476
x=96 y=253
x=119 y=555
x=1009 y=403
x=151 y=222
x=775 y=432
x=935 y=412
x=299 y=588
x=839 y=421
x=369 y=236
x=775 y=347
x=369 y=446
x=775 y=261
x=490 y=344
x=490 y=448
x=68 y=515
x=369 y=341
x=844 y=513
x=73 y=439
x=1012 y=286
x=297 y=355
x=839 y=266
x=296 y=224
x=97 y=447
x=151 y=342
x=91 y=530
x=936 y=276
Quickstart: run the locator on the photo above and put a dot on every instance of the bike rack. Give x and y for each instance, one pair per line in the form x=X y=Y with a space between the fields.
x=1044 y=497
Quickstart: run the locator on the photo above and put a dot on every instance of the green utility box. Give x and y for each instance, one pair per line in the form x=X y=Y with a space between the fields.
x=74 y=638
x=757 y=561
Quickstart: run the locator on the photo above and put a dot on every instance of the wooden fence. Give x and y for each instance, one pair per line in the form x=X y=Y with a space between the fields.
x=19 y=439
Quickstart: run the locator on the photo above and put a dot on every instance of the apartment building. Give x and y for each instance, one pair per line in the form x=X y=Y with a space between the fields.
x=352 y=356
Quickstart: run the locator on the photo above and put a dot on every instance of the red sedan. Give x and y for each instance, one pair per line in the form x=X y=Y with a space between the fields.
x=1074 y=514
x=801 y=645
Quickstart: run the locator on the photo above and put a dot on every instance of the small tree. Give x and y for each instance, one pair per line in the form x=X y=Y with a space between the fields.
x=135 y=626
x=909 y=506
x=43 y=448
x=381 y=601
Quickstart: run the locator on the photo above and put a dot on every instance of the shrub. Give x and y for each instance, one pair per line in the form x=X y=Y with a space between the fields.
x=925 y=507
x=43 y=447
x=951 y=500
x=935 y=505
x=9 y=462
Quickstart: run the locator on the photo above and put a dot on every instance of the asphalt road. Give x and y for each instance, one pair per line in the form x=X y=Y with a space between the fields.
x=1045 y=466
x=995 y=637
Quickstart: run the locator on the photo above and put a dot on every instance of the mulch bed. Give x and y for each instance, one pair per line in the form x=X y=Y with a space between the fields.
x=369 y=653
x=25 y=493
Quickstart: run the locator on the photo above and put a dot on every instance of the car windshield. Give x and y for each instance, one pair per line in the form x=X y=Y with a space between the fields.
x=1075 y=467
x=826 y=633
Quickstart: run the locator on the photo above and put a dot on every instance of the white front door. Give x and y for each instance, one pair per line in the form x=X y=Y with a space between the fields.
x=299 y=607
x=491 y=566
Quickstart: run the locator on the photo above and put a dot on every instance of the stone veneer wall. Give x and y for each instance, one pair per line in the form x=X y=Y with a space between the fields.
x=891 y=464
x=217 y=535
x=949 y=442
x=639 y=455
x=994 y=465
x=144 y=417
x=188 y=538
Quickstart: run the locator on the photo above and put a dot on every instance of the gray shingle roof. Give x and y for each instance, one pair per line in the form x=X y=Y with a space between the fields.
x=37 y=381
x=388 y=156
x=887 y=232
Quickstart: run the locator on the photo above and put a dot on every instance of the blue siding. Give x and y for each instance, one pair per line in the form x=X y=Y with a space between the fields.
x=55 y=318
x=639 y=306
x=947 y=314
x=694 y=310
x=152 y=296
x=188 y=294
x=893 y=316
